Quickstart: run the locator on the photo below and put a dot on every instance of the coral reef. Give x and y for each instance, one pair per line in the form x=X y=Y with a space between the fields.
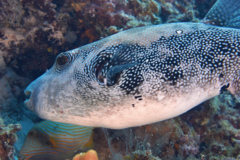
x=45 y=28
x=176 y=11
x=7 y=139
x=12 y=87
x=11 y=13
x=11 y=108
x=114 y=16
x=219 y=128
x=184 y=11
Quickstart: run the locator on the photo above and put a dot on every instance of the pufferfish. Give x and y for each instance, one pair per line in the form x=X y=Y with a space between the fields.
x=143 y=75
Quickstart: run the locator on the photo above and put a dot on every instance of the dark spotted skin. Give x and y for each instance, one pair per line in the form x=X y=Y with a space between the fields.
x=208 y=54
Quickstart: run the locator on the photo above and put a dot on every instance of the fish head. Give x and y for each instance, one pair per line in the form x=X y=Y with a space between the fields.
x=83 y=81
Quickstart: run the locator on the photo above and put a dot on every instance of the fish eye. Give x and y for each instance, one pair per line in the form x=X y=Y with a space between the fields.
x=62 y=59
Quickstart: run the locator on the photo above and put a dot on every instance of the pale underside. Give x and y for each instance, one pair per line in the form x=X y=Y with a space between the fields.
x=144 y=112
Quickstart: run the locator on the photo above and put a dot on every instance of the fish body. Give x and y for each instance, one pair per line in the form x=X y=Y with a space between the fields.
x=142 y=75
x=55 y=141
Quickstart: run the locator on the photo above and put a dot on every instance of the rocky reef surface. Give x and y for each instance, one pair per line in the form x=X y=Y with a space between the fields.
x=33 y=33
x=7 y=139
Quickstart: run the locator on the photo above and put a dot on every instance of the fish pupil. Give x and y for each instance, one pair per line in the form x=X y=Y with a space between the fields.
x=62 y=59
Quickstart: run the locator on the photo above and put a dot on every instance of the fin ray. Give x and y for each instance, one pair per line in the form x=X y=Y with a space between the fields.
x=224 y=13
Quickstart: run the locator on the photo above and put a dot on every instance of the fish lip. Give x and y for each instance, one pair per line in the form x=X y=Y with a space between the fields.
x=27 y=102
x=27 y=94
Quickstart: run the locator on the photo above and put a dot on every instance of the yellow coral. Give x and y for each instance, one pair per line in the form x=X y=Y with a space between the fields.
x=89 y=155
x=78 y=6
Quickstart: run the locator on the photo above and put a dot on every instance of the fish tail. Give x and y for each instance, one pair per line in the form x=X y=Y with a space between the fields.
x=224 y=13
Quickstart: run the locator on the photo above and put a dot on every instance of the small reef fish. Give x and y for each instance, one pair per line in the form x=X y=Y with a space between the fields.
x=55 y=141
x=143 y=75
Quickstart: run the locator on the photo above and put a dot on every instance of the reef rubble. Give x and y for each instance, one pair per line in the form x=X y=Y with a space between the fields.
x=7 y=139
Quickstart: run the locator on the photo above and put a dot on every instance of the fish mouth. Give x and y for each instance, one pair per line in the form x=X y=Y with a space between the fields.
x=27 y=95
x=27 y=103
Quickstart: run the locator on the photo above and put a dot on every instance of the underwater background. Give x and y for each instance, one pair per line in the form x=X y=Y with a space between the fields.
x=33 y=33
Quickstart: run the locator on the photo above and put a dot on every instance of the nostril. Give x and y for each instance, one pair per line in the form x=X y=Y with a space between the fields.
x=28 y=94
